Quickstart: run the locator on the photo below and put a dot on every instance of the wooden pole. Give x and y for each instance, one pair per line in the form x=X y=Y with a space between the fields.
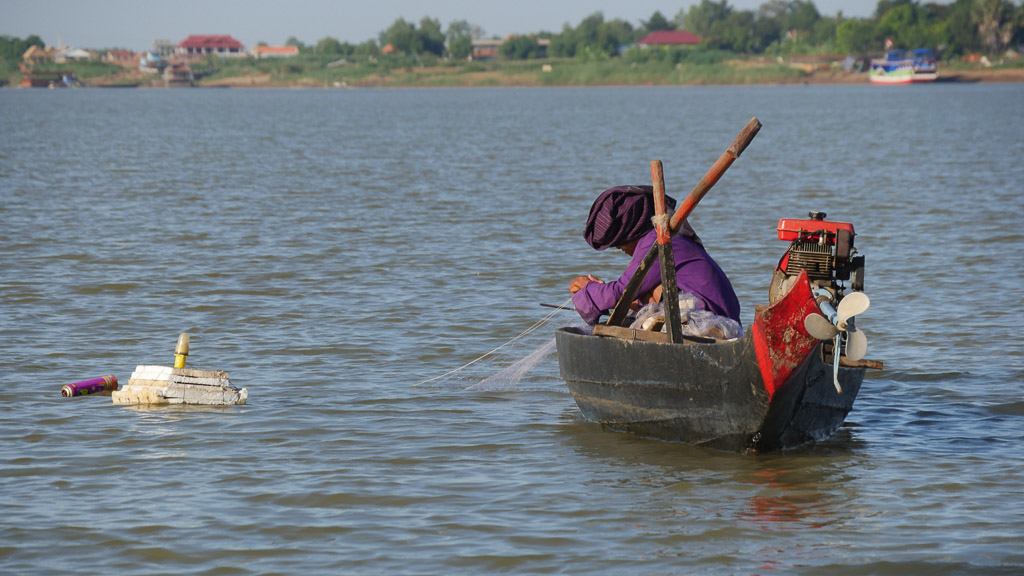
x=715 y=173
x=622 y=306
x=669 y=289
x=699 y=191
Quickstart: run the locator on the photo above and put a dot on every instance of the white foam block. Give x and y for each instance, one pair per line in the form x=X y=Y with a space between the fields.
x=166 y=385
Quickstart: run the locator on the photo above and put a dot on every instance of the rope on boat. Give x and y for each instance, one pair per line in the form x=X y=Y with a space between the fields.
x=537 y=325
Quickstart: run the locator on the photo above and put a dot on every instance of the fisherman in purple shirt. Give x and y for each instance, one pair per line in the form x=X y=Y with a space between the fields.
x=621 y=218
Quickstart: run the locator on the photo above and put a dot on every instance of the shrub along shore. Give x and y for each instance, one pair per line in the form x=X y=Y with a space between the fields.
x=309 y=72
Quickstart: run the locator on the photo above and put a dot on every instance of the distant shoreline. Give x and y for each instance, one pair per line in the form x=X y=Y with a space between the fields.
x=500 y=79
x=447 y=78
x=817 y=78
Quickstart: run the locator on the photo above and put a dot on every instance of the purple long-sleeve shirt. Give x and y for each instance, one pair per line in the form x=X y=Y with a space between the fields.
x=696 y=273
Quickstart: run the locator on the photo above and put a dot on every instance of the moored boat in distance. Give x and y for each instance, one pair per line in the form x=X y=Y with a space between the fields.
x=32 y=77
x=904 y=67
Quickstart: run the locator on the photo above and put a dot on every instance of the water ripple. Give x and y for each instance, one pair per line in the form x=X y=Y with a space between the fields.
x=351 y=244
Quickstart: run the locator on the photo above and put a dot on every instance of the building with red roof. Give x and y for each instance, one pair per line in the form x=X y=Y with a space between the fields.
x=198 y=45
x=669 y=38
x=121 y=55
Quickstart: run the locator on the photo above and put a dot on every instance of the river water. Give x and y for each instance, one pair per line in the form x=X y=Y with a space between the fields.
x=334 y=249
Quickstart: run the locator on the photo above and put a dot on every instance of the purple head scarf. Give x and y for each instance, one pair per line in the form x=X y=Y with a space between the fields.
x=623 y=214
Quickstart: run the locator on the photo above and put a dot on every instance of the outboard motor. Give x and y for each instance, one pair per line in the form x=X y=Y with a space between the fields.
x=824 y=249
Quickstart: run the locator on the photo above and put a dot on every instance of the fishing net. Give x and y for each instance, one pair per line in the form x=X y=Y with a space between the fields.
x=508 y=378
x=515 y=362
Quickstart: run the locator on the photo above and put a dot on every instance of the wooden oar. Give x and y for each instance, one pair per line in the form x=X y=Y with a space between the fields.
x=670 y=291
x=699 y=191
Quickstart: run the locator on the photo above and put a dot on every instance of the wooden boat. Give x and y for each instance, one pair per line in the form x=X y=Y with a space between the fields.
x=35 y=78
x=179 y=75
x=778 y=386
x=771 y=389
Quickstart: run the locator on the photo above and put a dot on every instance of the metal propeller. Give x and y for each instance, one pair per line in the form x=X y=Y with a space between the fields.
x=856 y=342
x=851 y=305
x=819 y=327
x=839 y=325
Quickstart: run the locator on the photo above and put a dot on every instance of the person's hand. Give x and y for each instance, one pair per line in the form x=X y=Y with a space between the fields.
x=580 y=281
x=656 y=294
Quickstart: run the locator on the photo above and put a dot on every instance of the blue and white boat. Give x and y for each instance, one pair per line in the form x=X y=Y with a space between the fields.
x=904 y=67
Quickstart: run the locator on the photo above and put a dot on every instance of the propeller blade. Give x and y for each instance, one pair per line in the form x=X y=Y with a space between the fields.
x=835 y=364
x=851 y=305
x=856 y=344
x=819 y=327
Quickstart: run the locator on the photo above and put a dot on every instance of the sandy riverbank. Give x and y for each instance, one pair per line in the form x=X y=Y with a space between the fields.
x=448 y=78
x=498 y=78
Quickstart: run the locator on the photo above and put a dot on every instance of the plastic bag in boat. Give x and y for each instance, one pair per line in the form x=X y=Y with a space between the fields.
x=710 y=325
x=695 y=322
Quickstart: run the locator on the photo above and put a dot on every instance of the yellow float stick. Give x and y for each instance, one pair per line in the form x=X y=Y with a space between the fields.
x=181 y=350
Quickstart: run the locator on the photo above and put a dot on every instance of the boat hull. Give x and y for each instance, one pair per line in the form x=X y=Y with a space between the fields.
x=703 y=394
x=900 y=68
x=891 y=79
x=903 y=79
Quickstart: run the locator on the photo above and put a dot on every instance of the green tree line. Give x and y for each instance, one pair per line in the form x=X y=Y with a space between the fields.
x=776 y=27
x=796 y=26
x=12 y=49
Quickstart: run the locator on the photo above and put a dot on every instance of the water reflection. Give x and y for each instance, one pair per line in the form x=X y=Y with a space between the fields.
x=695 y=499
x=783 y=501
x=795 y=489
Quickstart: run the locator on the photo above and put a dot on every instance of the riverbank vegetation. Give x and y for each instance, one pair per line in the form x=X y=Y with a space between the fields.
x=782 y=41
x=700 y=66
x=776 y=28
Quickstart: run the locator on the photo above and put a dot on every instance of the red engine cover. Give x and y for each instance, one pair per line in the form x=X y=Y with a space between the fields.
x=789 y=230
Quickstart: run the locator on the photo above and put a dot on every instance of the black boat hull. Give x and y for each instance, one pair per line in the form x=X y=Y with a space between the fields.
x=704 y=394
